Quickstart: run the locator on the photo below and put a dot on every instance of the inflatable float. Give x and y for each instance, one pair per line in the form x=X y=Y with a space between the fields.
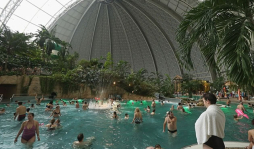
x=240 y=112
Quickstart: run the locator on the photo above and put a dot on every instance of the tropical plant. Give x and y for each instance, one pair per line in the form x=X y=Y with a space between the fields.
x=190 y=85
x=15 y=48
x=223 y=30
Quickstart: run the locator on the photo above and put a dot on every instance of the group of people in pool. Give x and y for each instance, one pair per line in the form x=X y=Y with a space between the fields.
x=30 y=128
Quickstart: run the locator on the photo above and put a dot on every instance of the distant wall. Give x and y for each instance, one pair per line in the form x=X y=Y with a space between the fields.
x=25 y=85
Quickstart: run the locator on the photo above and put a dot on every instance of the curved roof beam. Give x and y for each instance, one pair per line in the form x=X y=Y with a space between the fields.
x=157 y=25
x=8 y=10
x=132 y=63
x=142 y=32
x=80 y=20
x=95 y=24
x=179 y=18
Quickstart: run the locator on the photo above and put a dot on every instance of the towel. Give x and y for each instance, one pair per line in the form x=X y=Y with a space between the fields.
x=211 y=122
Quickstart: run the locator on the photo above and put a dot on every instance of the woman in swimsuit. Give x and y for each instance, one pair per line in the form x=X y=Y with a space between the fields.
x=137 y=116
x=56 y=112
x=29 y=128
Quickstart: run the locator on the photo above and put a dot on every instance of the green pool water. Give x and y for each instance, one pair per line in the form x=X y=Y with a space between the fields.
x=118 y=134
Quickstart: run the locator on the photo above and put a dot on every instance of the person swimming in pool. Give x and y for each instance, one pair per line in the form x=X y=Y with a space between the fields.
x=29 y=128
x=115 y=115
x=153 y=104
x=56 y=113
x=51 y=125
x=49 y=106
x=77 y=104
x=32 y=105
x=148 y=109
x=126 y=116
x=38 y=100
x=81 y=143
x=179 y=107
x=171 y=121
x=153 y=112
x=2 y=111
x=20 y=112
x=137 y=116
x=85 y=106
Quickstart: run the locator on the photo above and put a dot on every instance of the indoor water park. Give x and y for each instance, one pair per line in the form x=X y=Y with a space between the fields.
x=120 y=74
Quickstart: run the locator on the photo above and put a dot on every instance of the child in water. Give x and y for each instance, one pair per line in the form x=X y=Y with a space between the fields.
x=126 y=116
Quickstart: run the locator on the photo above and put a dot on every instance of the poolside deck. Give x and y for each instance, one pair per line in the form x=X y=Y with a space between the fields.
x=228 y=144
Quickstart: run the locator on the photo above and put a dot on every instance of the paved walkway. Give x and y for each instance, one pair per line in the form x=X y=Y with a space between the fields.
x=228 y=144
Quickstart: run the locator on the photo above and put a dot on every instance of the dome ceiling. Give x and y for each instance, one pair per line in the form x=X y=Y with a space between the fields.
x=141 y=32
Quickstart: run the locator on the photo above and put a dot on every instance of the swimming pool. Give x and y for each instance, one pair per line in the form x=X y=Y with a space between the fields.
x=117 y=134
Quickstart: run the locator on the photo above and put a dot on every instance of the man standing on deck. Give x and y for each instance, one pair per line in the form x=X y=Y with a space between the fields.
x=20 y=112
x=210 y=125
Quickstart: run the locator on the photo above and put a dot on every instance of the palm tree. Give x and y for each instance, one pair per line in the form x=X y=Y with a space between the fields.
x=46 y=41
x=13 y=45
x=223 y=30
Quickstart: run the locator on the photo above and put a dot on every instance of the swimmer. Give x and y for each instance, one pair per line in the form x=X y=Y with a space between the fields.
x=171 y=122
x=126 y=116
x=162 y=103
x=137 y=116
x=80 y=143
x=77 y=104
x=172 y=108
x=28 y=101
x=157 y=146
x=148 y=109
x=241 y=107
x=49 y=106
x=236 y=118
x=153 y=112
x=2 y=111
x=32 y=105
x=51 y=125
x=179 y=107
x=56 y=112
x=85 y=106
x=38 y=100
x=114 y=115
x=64 y=104
x=20 y=112
x=153 y=104
x=27 y=111
x=29 y=128
x=141 y=102
x=228 y=102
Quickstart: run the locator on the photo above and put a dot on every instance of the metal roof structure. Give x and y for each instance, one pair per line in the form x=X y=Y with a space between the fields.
x=141 y=32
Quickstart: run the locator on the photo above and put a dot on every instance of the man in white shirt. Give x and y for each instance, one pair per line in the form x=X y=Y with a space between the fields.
x=210 y=125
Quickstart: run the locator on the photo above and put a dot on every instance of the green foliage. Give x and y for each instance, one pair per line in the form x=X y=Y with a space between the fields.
x=189 y=85
x=217 y=84
x=223 y=30
x=109 y=61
